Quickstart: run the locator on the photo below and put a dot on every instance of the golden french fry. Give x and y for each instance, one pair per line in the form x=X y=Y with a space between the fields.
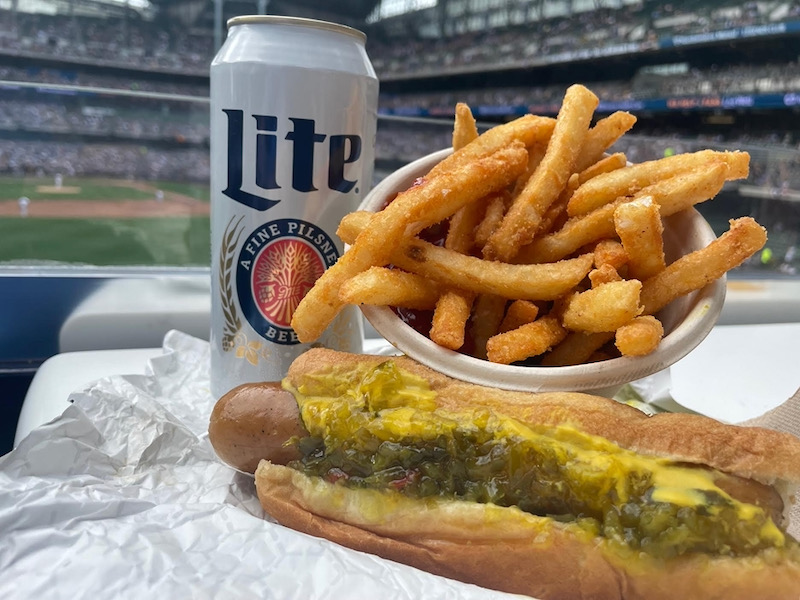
x=549 y=179
x=486 y=318
x=450 y=318
x=610 y=252
x=380 y=286
x=672 y=195
x=519 y=313
x=576 y=233
x=464 y=221
x=575 y=349
x=682 y=191
x=699 y=268
x=605 y=273
x=410 y=212
x=495 y=210
x=464 y=129
x=604 y=165
x=528 y=130
x=639 y=227
x=607 y=187
x=454 y=306
x=639 y=337
x=556 y=215
x=523 y=282
x=531 y=339
x=602 y=136
x=352 y=224
x=452 y=269
x=535 y=155
x=604 y=308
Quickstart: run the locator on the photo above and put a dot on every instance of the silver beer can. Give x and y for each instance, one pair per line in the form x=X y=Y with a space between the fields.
x=293 y=118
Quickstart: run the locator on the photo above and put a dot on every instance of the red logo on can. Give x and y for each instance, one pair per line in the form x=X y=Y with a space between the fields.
x=278 y=263
x=283 y=273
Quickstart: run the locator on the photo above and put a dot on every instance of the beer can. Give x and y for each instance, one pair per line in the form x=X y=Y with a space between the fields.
x=293 y=119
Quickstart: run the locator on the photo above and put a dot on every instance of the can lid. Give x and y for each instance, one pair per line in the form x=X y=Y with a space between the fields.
x=298 y=21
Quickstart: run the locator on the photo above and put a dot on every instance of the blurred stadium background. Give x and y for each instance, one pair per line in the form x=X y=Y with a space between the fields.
x=105 y=102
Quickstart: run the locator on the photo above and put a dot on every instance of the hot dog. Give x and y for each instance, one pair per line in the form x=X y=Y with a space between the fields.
x=550 y=495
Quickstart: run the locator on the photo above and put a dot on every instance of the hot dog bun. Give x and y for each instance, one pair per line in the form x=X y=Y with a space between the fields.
x=507 y=549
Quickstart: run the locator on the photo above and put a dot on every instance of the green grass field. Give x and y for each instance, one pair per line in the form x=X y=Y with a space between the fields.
x=12 y=188
x=159 y=240
x=197 y=191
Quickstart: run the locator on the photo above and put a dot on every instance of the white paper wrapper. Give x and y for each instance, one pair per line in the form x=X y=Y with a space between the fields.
x=122 y=496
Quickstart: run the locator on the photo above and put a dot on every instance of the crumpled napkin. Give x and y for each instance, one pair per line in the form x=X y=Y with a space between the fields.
x=122 y=496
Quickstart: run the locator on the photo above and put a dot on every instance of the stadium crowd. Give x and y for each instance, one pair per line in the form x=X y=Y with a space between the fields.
x=602 y=31
x=98 y=120
x=175 y=48
x=775 y=156
x=82 y=78
x=38 y=158
x=775 y=163
x=112 y=41
x=135 y=138
x=719 y=80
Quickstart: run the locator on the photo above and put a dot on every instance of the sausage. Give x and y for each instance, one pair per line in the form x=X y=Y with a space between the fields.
x=254 y=422
x=753 y=492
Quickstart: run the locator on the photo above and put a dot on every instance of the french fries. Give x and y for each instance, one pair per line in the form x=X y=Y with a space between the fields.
x=412 y=211
x=495 y=210
x=602 y=136
x=639 y=337
x=528 y=340
x=528 y=130
x=606 y=188
x=554 y=253
x=520 y=312
x=576 y=348
x=605 y=273
x=528 y=282
x=486 y=321
x=604 y=308
x=672 y=195
x=465 y=130
x=699 y=268
x=548 y=179
x=638 y=225
x=454 y=306
x=610 y=252
x=450 y=316
x=380 y=286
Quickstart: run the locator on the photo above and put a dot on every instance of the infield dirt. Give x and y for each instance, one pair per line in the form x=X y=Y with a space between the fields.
x=172 y=204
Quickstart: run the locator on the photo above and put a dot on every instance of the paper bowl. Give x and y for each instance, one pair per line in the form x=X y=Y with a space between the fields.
x=686 y=320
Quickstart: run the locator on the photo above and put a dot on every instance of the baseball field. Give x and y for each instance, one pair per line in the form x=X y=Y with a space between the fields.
x=103 y=222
